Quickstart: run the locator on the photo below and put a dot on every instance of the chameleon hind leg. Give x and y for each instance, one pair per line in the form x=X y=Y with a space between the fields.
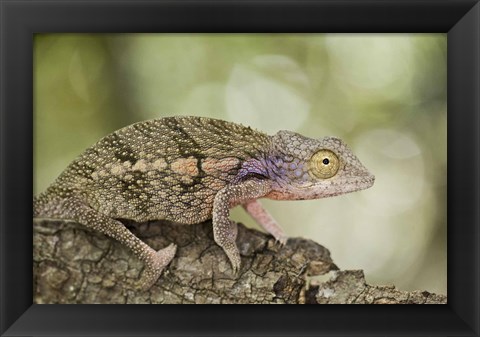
x=155 y=261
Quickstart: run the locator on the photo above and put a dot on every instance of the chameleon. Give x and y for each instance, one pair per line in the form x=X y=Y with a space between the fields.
x=190 y=169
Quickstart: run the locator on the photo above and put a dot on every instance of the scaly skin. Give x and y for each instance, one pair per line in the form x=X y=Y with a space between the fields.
x=190 y=169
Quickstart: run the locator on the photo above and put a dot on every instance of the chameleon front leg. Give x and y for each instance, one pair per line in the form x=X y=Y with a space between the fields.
x=225 y=230
x=155 y=261
x=262 y=217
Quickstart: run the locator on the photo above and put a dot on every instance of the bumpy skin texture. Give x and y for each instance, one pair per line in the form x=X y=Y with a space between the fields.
x=190 y=169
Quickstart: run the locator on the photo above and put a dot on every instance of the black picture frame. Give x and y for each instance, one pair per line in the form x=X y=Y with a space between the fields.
x=21 y=19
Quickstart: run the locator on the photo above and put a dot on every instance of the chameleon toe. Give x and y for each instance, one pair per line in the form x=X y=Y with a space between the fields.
x=156 y=263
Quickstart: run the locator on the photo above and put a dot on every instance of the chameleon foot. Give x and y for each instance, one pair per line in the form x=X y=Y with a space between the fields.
x=281 y=241
x=233 y=255
x=156 y=262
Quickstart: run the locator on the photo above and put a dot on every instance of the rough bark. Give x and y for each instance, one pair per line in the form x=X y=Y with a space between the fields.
x=73 y=264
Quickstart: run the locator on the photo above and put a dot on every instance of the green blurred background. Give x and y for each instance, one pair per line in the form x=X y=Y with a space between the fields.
x=384 y=94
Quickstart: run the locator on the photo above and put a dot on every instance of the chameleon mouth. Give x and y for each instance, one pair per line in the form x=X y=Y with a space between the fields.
x=353 y=184
x=369 y=181
x=361 y=183
x=310 y=192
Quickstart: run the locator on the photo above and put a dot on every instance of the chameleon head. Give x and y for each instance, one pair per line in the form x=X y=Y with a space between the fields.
x=306 y=168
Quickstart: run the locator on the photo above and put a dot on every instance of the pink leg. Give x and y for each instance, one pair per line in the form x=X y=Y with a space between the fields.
x=262 y=217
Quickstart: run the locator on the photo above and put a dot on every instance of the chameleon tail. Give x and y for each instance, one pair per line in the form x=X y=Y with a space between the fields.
x=47 y=206
x=40 y=206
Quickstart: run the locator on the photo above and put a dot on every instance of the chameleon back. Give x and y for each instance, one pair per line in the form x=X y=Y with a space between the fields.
x=170 y=168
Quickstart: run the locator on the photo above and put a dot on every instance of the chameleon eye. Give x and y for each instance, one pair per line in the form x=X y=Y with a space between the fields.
x=324 y=164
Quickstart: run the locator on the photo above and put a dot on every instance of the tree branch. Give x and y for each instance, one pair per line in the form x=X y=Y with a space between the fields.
x=73 y=264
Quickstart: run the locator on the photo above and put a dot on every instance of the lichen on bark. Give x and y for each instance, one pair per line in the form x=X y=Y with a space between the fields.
x=73 y=264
